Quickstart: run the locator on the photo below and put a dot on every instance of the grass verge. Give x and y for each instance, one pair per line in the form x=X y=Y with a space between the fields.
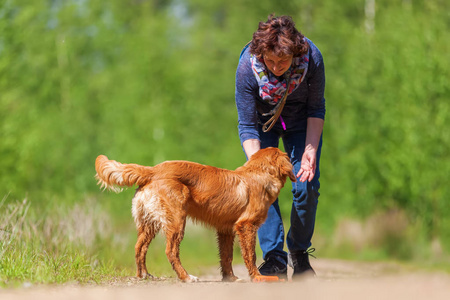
x=84 y=243
x=56 y=246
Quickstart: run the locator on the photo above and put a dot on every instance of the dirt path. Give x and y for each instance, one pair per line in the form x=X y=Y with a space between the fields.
x=335 y=279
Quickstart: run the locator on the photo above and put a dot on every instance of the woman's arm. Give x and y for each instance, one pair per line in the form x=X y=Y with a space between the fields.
x=316 y=114
x=246 y=106
x=313 y=134
x=251 y=146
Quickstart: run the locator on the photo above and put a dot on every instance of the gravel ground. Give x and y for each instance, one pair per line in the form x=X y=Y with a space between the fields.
x=336 y=279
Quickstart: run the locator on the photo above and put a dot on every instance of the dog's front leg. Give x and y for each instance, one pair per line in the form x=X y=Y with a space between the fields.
x=226 y=241
x=247 y=240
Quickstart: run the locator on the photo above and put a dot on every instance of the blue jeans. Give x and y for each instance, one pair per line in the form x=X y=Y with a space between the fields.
x=304 y=205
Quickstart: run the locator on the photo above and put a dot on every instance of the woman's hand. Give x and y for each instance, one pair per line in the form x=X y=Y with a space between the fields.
x=313 y=134
x=308 y=166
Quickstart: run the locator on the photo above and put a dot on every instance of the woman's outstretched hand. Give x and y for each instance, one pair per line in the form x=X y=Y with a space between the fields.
x=308 y=166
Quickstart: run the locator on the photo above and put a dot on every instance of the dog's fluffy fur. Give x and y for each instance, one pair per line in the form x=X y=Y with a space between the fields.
x=233 y=202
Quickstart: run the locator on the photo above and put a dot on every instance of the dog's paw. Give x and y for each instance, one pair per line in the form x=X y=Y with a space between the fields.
x=230 y=278
x=144 y=276
x=191 y=278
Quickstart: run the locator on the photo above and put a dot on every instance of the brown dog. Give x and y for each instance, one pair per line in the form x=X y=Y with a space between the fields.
x=230 y=201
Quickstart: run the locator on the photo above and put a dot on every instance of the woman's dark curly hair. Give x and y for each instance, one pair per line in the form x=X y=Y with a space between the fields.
x=278 y=35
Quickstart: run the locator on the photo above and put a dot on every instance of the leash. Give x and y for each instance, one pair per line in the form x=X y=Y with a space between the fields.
x=276 y=111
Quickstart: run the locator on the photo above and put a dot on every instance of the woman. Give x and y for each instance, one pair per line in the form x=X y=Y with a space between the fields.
x=280 y=83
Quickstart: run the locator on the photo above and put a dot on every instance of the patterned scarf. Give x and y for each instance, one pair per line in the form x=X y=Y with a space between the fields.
x=271 y=89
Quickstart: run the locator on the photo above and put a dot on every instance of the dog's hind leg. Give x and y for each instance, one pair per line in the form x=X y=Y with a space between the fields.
x=225 y=241
x=145 y=236
x=174 y=236
x=172 y=213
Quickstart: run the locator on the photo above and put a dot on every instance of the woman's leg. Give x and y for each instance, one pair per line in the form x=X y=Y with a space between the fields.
x=271 y=233
x=305 y=195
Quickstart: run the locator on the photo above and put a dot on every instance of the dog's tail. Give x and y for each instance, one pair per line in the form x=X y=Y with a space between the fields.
x=112 y=174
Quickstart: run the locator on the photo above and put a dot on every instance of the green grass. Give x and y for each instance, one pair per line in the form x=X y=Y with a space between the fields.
x=83 y=243
x=40 y=266
x=51 y=247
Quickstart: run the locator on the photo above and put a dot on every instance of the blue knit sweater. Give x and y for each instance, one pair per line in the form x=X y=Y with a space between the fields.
x=306 y=101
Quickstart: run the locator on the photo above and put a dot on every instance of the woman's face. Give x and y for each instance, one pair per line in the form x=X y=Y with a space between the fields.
x=278 y=65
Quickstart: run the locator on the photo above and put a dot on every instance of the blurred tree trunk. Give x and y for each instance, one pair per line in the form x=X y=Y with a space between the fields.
x=369 y=22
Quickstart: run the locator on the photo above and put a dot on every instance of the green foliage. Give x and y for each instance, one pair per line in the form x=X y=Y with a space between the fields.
x=386 y=129
x=59 y=248
x=148 y=81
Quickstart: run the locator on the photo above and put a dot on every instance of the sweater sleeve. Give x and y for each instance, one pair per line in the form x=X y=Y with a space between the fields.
x=245 y=95
x=316 y=85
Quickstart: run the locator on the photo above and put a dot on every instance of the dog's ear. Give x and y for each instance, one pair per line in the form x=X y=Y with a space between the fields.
x=290 y=171
x=292 y=175
x=286 y=166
